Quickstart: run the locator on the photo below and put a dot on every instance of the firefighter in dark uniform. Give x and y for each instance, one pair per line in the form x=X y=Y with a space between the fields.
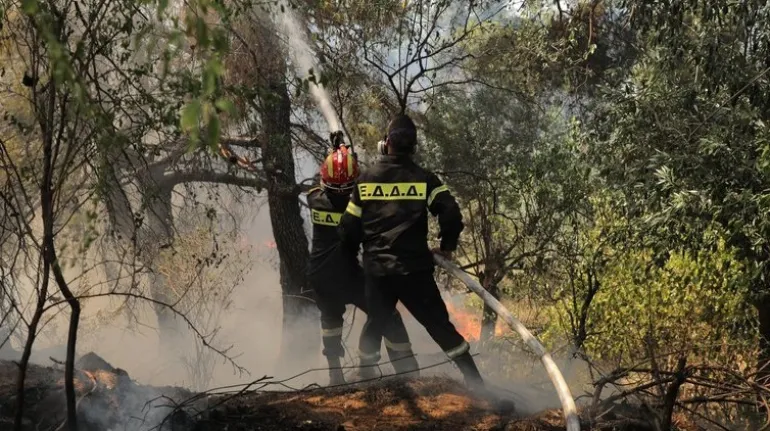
x=388 y=214
x=334 y=271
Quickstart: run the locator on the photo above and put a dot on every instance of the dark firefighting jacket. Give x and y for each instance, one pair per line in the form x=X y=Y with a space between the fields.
x=328 y=257
x=388 y=215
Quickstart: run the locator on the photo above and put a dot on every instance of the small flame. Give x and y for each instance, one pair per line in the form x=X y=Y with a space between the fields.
x=242 y=243
x=270 y=244
x=468 y=323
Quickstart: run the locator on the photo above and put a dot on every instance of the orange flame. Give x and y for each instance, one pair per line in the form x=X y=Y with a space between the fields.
x=468 y=324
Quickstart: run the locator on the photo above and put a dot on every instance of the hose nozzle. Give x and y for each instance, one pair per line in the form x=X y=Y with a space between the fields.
x=336 y=139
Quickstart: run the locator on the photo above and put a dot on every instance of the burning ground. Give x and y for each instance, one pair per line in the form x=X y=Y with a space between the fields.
x=109 y=400
x=432 y=403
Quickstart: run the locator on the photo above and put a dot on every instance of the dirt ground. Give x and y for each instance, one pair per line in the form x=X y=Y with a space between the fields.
x=109 y=400
x=429 y=403
x=107 y=397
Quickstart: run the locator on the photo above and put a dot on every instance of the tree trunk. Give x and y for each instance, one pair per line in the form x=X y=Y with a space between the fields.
x=147 y=237
x=581 y=331
x=489 y=317
x=763 y=363
x=672 y=393
x=156 y=235
x=300 y=340
x=27 y=353
x=488 y=276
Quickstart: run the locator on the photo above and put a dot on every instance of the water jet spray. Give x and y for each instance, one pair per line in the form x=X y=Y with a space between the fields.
x=305 y=60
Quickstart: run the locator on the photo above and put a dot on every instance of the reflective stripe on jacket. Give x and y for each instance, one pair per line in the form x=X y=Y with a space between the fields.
x=388 y=214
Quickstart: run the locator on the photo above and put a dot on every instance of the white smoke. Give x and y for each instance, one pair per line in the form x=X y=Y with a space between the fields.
x=305 y=60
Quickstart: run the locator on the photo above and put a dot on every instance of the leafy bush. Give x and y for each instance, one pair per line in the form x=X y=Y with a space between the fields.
x=693 y=303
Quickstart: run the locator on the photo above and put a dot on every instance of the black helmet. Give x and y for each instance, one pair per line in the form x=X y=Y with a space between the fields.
x=402 y=134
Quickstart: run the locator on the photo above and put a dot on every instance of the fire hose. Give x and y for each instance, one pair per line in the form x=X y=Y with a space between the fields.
x=565 y=396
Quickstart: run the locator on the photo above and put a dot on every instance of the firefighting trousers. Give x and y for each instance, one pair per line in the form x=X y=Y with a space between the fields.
x=420 y=295
x=332 y=299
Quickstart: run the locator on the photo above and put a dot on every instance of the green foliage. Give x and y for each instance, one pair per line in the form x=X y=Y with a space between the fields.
x=661 y=178
x=688 y=305
x=210 y=40
x=518 y=184
x=641 y=308
x=684 y=136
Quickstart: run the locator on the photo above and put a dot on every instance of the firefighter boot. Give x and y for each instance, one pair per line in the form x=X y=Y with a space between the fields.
x=467 y=366
x=476 y=384
x=335 y=371
x=404 y=362
x=367 y=367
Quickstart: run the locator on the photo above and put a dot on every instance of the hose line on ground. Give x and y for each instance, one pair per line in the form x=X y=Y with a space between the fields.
x=565 y=396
